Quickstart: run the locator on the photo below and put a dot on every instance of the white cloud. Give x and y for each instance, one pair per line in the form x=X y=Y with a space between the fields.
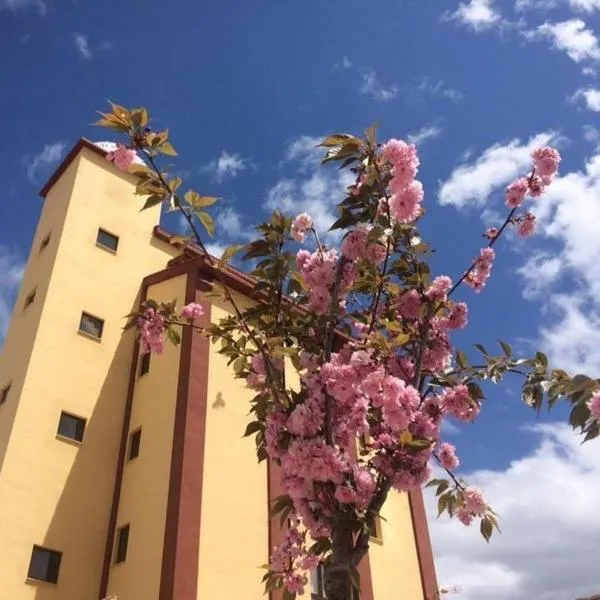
x=81 y=43
x=48 y=157
x=478 y=15
x=548 y=502
x=427 y=87
x=229 y=223
x=585 y=5
x=313 y=188
x=345 y=63
x=227 y=166
x=572 y=37
x=590 y=96
x=428 y=132
x=216 y=249
x=591 y=134
x=16 y=5
x=472 y=184
x=540 y=272
x=371 y=86
x=11 y=273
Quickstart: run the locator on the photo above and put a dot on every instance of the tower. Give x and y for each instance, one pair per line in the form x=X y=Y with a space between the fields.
x=125 y=474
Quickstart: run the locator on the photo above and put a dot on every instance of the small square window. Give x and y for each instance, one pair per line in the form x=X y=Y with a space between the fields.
x=29 y=299
x=317 y=583
x=4 y=393
x=71 y=427
x=122 y=543
x=107 y=240
x=134 y=444
x=145 y=363
x=44 y=564
x=91 y=325
x=45 y=242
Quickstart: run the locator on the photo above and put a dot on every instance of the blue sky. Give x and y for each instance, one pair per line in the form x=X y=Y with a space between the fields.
x=248 y=87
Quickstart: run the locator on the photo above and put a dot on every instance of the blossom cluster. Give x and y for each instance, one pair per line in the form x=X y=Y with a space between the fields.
x=122 y=156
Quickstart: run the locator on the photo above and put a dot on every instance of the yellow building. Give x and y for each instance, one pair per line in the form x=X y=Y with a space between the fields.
x=128 y=476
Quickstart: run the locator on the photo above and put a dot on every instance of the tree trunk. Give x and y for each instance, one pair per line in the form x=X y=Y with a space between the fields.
x=338 y=579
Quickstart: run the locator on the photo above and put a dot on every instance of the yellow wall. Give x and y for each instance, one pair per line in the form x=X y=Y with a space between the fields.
x=394 y=563
x=54 y=493
x=234 y=527
x=143 y=501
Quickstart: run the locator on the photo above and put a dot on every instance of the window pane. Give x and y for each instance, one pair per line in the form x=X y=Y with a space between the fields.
x=71 y=427
x=122 y=543
x=134 y=444
x=4 y=394
x=91 y=325
x=145 y=363
x=108 y=240
x=44 y=564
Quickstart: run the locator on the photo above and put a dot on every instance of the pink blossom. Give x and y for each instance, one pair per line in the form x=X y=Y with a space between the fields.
x=302 y=223
x=404 y=205
x=403 y=159
x=457 y=317
x=464 y=516
x=527 y=225
x=482 y=269
x=491 y=233
x=516 y=192
x=594 y=406
x=537 y=185
x=123 y=157
x=192 y=311
x=345 y=495
x=458 y=402
x=447 y=456
x=439 y=288
x=355 y=246
x=151 y=328
x=408 y=304
x=474 y=501
x=546 y=161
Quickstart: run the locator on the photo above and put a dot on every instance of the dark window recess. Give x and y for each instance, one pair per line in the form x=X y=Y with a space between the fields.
x=29 y=300
x=44 y=564
x=122 y=543
x=376 y=529
x=134 y=444
x=45 y=242
x=70 y=426
x=145 y=363
x=4 y=393
x=107 y=240
x=91 y=325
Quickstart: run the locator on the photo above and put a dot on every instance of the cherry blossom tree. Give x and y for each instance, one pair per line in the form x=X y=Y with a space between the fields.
x=367 y=332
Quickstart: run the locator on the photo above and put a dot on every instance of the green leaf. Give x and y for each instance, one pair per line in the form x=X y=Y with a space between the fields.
x=482 y=350
x=196 y=201
x=486 y=529
x=579 y=415
x=173 y=336
x=230 y=252
x=336 y=139
x=506 y=348
x=167 y=148
x=252 y=427
x=207 y=221
x=152 y=201
x=443 y=503
x=461 y=359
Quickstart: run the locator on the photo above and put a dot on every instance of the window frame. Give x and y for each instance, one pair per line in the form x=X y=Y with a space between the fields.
x=80 y=420
x=120 y=547
x=51 y=576
x=102 y=231
x=93 y=318
x=136 y=434
x=45 y=242
x=145 y=363
x=30 y=299
x=4 y=392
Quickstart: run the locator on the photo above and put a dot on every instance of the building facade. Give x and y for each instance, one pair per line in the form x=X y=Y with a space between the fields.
x=127 y=475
